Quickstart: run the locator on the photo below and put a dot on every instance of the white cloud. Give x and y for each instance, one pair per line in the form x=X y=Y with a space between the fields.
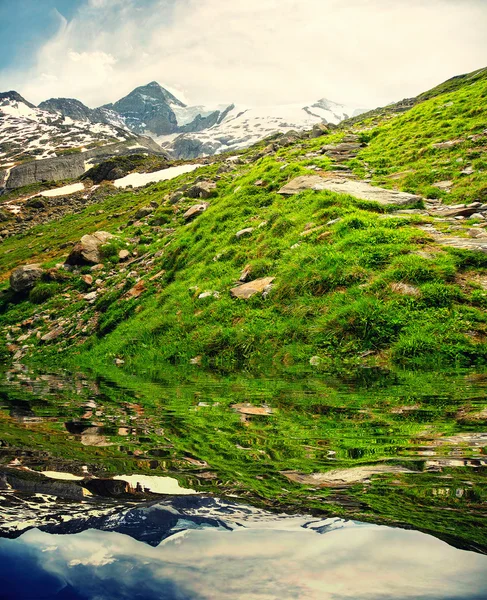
x=367 y=52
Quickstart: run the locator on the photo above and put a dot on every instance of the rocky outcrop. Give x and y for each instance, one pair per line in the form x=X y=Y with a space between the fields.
x=51 y=169
x=203 y=190
x=358 y=189
x=25 y=277
x=195 y=210
x=247 y=290
x=89 y=249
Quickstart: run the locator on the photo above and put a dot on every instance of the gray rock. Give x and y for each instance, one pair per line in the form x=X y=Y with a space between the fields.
x=244 y=232
x=144 y=211
x=204 y=190
x=195 y=210
x=247 y=290
x=24 y=278
x=88 y=249
x=358 y=189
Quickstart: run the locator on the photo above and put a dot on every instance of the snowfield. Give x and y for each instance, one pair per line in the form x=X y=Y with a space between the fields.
x=140 y=179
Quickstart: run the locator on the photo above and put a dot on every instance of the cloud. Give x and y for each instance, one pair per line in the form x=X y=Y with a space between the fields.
x=353 y=563
x=366 y=52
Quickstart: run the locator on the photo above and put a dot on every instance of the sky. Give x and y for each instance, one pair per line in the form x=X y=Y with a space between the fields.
x=361 y=562
x=365 y=53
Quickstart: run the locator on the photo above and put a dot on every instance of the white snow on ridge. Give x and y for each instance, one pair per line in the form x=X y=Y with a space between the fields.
x=63 y=191
x=244 y=126
x=140 y=179
x=189 y=113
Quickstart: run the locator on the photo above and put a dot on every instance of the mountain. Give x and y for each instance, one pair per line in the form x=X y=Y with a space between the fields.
x=28 y=132
x=60 y=125
x=240 y=127
x=73 y=109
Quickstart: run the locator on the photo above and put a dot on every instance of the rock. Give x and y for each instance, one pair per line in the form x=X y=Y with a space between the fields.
x=318 y=130
x=35 y=203
x=244 y=232
x=259 y=183
x=196 y=360
x=50 y=169
x=247 y=290
x=52 y=335
x=249 y=409
x=88 y=250
x=301 y=184
x=123 y=254
x=209 y=295
x=245 y=274
x=144 y=211
x=91 y=297
x=25 y=277
x=444 y=185
x=4 y=216
x=404 y=288
x=315 y=361
x=477 y=216
x=175 y=198
x=88 y=279
x=204 y=190
x=448 y=144
x=344 y=476
x=137 y=290
x=195 y=210
x=358 y=189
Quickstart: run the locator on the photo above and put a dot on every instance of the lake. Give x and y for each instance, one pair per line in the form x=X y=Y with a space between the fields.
x=209 y=485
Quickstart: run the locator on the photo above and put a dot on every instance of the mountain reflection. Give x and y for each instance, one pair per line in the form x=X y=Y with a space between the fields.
x=213 y=549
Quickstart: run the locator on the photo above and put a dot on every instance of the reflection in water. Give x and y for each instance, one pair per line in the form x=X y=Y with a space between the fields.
x=405 y=449
x=210 y=549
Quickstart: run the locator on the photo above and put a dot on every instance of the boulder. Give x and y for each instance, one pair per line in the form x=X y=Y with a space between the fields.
x=144 y=211
x=318 y=130
x=88 y=249
x=195 y=210
x=24 y=278
x=244 y=232
x=358 y=189
x=256 y=286
x=35 y=203
x=204 y=190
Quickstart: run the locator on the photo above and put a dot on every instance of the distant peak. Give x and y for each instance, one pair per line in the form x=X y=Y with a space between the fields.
x=15 y=97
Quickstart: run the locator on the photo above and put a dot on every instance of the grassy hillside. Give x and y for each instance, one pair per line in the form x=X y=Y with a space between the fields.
x=354 y=282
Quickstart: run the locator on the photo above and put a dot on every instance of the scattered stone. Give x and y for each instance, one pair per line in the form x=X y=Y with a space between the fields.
x=144 y=211
x=249 y=409
x=204 y=190
x=35 y=203
x=52 y=335
x=344 y=476
x=209 y=295
x=196 y=360
x=123 y=254
x=176 y=197
x=137 y=290
x=244 y=232
x=405 y=289
x=259 y=183
x=318 y=130
x=359 y=189
x=118 y=362
x=444 y=185
x=24 y=278
x=91 y=297
x=448 y=144
x=315 y=361
x=195 y=210
x=88 y=249
x=88 y=279
x=246 y=273
x=247 y=290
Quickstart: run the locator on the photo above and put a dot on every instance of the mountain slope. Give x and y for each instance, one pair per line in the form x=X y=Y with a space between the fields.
x=28 y=133
x=240 y=127
x=76 y=110
x=346 y=281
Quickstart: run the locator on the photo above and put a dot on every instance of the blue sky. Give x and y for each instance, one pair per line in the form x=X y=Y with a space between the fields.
x=254 y=52
x=26 y=24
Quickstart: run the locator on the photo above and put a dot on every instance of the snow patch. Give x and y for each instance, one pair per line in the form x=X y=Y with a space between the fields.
x=140 y=179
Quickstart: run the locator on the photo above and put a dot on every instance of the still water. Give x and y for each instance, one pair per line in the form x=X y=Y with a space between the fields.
x=211 y=486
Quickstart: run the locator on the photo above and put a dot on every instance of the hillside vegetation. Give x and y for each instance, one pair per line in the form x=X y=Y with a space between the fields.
x=354 y=282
